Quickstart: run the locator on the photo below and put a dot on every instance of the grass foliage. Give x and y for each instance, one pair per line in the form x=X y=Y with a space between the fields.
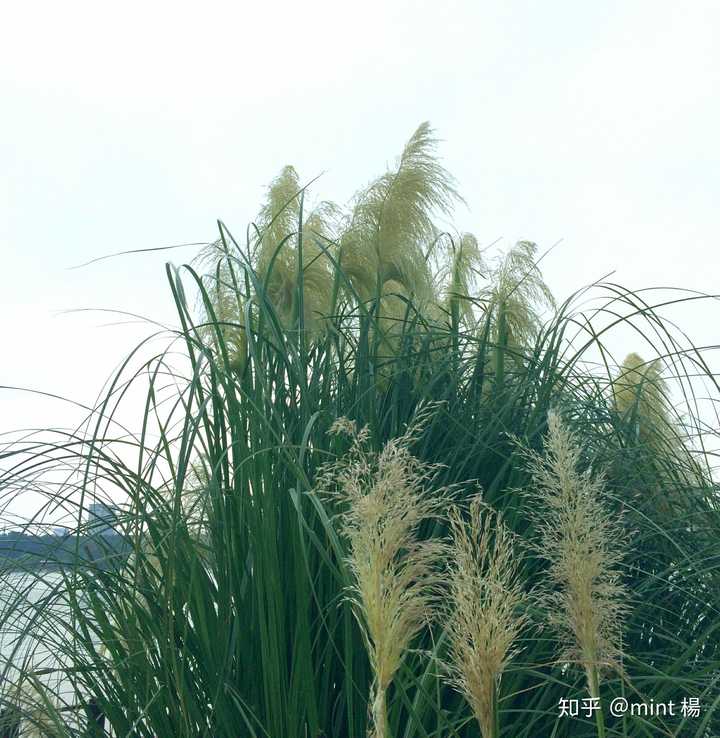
x=253 y=605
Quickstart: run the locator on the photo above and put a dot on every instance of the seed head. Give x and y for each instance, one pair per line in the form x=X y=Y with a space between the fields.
x=584 y=544
x=484 y=612
x=384 y=498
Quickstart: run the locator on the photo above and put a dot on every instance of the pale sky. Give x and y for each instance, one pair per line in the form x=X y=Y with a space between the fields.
x=137 y=125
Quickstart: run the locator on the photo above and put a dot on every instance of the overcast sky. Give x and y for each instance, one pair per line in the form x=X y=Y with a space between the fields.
x=137 y=125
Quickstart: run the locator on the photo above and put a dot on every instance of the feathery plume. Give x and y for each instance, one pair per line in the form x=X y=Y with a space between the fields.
x=278 y=255
x=227 y=302
x=228 y=311
x=392 y=221
x=276 y=259
x=483 y=617
x=584 y=545
x=517 y=291
x=385 y=497
x=390 y=324
x=465 y=265
x=640 y=393
x=641 y=396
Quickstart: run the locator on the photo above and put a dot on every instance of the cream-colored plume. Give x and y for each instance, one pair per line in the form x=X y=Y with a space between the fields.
x=485 y=614
x=584 y=544
x=385 y=497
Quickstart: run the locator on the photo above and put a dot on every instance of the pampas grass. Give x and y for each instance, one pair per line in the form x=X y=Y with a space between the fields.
x=585 y=545
x=640 y=393
x=392 y=221
x=464 y=270
x=385 y=497
x=296 y=272
x=484 y=609
x=516 y=295
x=239 y=607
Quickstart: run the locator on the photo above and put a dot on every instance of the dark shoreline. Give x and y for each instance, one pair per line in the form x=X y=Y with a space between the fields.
x=21 y=552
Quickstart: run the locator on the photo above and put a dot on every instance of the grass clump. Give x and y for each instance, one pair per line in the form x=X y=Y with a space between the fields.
x=249 y=605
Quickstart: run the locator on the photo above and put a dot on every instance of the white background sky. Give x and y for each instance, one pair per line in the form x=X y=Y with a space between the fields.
x=136 y=125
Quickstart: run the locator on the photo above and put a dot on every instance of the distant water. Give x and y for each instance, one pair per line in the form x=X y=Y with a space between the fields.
x=34 y=616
